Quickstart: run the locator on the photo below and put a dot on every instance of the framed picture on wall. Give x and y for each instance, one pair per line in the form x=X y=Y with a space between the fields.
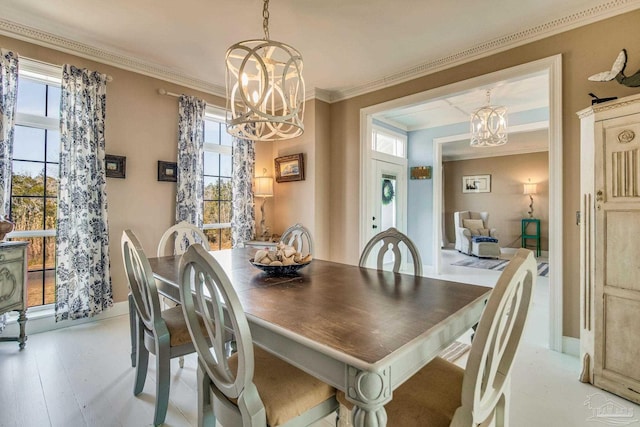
x=115 y=166
x=167 y=171
x=476 y=184
x=289 y=168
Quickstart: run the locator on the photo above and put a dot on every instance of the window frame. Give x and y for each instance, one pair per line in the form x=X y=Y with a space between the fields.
x=398 y=136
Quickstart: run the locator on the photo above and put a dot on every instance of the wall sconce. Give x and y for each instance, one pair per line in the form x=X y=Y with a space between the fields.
x=530 y=190
x=264 y=189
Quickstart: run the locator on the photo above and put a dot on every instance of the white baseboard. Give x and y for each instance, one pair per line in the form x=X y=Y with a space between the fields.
x=571 y=346
x=42 y=319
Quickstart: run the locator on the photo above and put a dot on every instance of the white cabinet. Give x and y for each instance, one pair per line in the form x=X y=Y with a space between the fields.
x=610 y=246
x=13 y=287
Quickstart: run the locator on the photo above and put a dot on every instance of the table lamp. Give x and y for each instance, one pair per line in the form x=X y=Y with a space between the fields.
x=530 y=190
x=264 y=189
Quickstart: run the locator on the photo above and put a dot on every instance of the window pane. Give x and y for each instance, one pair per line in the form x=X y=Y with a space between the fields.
x=225 y=211
x=211 y=132
x=210 y=188
x=27 y=213
x=53 y=101
x=226 y=138
x=35 y=251
x=211 y=165
x=53 y=174
x=225 y=165
x=27 y=179
x=35 y=293
x=226 y=238
x=225 y=189
x=53 y=146
x=31 y=97
x=49 y=286
x=211 y=213
x=28 y=143
x=51 y=214
x=214 y=239
x=50 y=252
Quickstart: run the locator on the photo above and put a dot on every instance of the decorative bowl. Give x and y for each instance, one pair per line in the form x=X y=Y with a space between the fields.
x=279 y=270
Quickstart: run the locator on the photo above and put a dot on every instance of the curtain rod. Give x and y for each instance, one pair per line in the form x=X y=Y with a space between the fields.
x=162 y=91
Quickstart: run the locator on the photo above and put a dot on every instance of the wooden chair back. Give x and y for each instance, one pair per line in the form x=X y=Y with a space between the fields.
x=206 y=289
x=299 y=237
x=485 y=385
x=391 y=239
x=184 y=235
x=141 y=281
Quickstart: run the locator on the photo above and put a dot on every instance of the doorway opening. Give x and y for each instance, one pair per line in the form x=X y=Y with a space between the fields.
x=433 y=206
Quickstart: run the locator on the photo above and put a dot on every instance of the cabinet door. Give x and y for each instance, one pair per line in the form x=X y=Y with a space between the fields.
x=11 y=279
x=617 y=260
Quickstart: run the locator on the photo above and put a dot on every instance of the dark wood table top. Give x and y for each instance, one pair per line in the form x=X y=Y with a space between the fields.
x=364 y=313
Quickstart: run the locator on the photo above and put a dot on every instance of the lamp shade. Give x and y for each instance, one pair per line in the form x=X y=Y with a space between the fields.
x=529 y=188
x=264 y=186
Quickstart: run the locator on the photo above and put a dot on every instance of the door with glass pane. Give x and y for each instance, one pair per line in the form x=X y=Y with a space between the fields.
x=389 y=199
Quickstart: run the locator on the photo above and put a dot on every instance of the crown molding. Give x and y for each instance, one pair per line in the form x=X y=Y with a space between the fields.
x=41 y=38
x=587 y=16
x=566 y=23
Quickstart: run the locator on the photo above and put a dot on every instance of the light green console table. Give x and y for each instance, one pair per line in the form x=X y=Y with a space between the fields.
x=531 y=234
x=13 y=285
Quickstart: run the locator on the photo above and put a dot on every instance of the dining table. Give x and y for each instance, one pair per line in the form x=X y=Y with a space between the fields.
x=364 y=331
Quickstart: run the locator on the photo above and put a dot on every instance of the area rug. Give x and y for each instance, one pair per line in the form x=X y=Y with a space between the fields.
x=456 y=350
x=498 y=265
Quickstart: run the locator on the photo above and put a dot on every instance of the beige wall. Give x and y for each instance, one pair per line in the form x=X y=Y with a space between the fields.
x=505 y=203
x=143 y=126
x=305 y=201
x=584 y=50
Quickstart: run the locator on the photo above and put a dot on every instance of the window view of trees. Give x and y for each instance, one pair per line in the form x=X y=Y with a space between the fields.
x=34 y=183
x=218 y=166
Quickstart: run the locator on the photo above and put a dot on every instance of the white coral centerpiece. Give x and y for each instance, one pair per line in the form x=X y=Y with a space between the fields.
x=282 y=255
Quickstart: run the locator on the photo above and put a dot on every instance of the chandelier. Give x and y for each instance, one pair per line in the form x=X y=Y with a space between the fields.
x=489 y=125
x=265 y=88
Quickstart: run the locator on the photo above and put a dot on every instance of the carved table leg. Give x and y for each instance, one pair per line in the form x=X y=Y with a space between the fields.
x=132 y=330
x=369 y=391
x=22 y=321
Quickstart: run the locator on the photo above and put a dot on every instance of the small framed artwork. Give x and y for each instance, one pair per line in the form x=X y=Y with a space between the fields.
x=421 y=172
x=289 y=168
x=167 y=171
x=115 y=166
x=476 y=184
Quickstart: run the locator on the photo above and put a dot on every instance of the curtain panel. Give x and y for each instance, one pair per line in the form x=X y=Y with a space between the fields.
x=242 y=214
x=8 y=101
x=190 y=186
x=83 y=282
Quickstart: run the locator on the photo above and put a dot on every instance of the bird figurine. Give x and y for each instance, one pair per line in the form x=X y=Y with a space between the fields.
x=617 y=72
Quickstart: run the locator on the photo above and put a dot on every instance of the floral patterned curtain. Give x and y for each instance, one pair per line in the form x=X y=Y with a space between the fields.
x=83 y=282
x=242 y=216
x=190 y=194
x=8 y=97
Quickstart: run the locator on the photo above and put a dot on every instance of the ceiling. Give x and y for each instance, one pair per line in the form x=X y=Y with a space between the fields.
x=349 y=46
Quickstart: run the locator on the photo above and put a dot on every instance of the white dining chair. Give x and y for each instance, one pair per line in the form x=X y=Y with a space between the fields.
x=391 y=240
x=182 y=235
x=251 y=387
x=160 y=332
x=299 y=237
x=443 y=394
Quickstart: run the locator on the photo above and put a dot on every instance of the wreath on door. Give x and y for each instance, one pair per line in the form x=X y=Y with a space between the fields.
x=387 y=191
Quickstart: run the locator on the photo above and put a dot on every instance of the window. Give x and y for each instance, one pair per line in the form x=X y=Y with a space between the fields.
x=388 y=142
x=218 y=167
x=34 y=184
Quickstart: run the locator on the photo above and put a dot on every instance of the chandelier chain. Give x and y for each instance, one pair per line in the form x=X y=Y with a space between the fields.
x=265 y=19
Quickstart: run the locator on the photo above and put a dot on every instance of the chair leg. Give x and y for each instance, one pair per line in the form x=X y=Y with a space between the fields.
x=163 y=378
x=181 y=362
x=132 y=329
x=142 y=356
x=206 y=418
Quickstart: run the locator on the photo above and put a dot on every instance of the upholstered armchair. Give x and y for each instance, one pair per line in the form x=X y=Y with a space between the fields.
x=469 y=224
